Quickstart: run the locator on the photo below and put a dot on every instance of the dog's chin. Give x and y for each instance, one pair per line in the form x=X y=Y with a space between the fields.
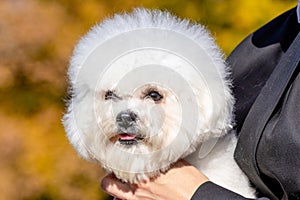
x=133 y=159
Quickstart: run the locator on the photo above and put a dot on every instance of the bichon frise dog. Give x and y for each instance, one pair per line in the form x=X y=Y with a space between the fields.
x=148 y=89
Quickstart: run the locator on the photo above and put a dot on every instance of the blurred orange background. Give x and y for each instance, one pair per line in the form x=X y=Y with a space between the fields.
x=36 y=41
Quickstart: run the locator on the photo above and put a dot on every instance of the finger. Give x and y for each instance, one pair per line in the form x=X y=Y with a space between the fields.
x=111 y=185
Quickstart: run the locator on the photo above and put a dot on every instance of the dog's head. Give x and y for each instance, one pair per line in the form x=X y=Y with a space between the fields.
x=146 y=90
x=141 y=121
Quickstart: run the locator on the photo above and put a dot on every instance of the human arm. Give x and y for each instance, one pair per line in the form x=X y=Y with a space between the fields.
x=179 y=182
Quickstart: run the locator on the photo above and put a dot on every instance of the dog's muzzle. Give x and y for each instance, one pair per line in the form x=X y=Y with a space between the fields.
x=128 y=130
x=126 y=119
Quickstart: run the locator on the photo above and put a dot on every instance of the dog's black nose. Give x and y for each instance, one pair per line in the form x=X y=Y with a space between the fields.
x=126 y=118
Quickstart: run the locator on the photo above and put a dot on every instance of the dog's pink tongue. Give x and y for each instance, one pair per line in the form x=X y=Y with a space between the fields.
x=125 y=136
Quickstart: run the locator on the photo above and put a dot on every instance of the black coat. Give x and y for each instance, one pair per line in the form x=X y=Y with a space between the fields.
x=267 y=112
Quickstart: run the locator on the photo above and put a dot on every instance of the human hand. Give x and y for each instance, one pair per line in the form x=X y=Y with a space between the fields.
x=179 y=182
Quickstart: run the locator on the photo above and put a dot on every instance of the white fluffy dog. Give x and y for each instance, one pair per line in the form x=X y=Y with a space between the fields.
x=148 y=89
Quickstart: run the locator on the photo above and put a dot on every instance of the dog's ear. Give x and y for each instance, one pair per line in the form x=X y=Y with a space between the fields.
x=223 y=109
x=78 y=115
x=73 y=134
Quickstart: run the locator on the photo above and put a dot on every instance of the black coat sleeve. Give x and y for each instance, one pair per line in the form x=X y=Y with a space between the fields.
x=211 y=191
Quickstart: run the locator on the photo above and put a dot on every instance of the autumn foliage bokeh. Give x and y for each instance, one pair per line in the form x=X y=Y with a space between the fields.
x=36 y=41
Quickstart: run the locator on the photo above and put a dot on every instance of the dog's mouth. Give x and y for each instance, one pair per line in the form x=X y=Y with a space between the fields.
x=126 y=139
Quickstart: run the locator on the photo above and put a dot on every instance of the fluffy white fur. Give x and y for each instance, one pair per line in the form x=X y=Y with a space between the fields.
x=91 y=125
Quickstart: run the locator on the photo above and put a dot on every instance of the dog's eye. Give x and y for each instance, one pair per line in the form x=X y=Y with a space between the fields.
x=155 y=96
x=109 y=95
